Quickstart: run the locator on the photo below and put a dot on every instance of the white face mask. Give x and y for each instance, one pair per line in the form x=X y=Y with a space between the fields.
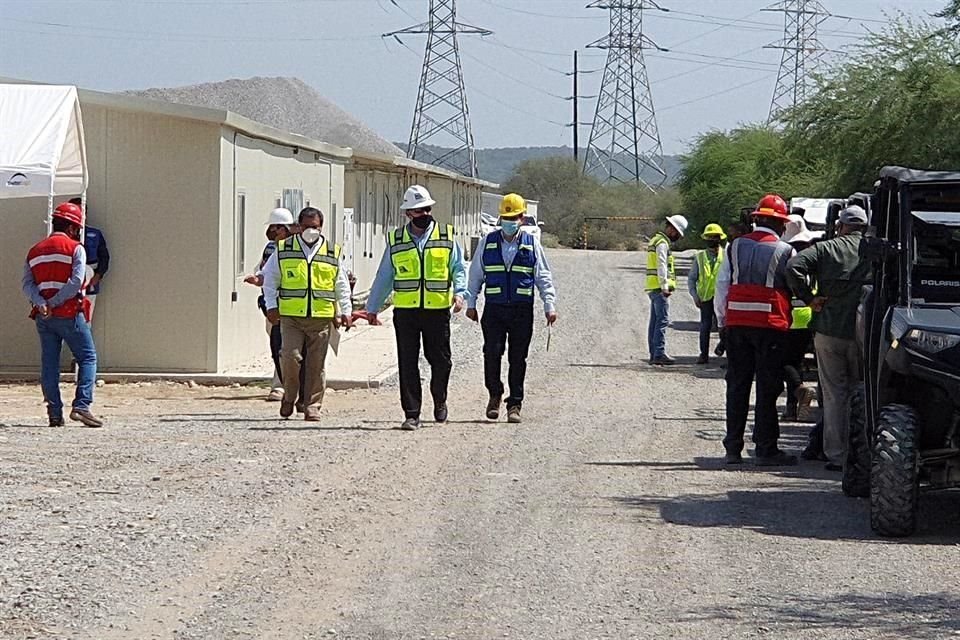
x=310 y=235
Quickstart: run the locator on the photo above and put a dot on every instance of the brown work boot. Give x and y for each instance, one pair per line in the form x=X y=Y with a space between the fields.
x=493 y=407
x=286 y=409
x=513 y=415
x=87 y=419
x=311 y=414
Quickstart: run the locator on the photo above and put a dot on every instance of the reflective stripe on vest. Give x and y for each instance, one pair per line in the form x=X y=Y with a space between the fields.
x=422 y=280
x=307 y=289
x=51 y=265
x=707 y=272
x=758 y=295
x=513 y=284
x=653 y=281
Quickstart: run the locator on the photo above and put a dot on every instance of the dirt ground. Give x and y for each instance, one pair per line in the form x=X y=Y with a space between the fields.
x=198 y=514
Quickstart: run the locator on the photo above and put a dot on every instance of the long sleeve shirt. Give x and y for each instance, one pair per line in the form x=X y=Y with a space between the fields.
x=508 y=249
x=663 y=266
x=271 y=279
x=98 y=256
x=383 y=282
x=836 y=267
x=724 y=277
x=69 y=290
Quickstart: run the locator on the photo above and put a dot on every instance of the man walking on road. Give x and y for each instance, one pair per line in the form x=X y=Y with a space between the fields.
x=53 y=281
x=511 y=265
x=307 y=293
x=660 y=285
x=423 y=266
x=836 y=267
x=702 y=284
x=752 y=302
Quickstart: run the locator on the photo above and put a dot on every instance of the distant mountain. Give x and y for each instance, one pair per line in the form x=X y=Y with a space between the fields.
x=497 y=165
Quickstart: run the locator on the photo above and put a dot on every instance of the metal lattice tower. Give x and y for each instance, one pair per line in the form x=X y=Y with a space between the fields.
x=802 y=52
x=441 y=116
x=624 y=141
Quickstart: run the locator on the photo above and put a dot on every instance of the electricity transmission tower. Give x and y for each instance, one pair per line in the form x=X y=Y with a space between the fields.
x=441 y=115
x=802 y=51
x=624 y=141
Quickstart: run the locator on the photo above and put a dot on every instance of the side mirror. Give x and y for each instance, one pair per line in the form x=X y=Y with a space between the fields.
x=877 y=249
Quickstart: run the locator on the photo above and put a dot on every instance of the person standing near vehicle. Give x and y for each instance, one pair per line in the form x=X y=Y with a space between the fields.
x=511 y=265
x=98 y=258
x=752 y=302
x=53 y=281
x=307 y=293
x=702 y=284
x=423 y=266
x=840 y=274
x=660 y=284
x=799 y=340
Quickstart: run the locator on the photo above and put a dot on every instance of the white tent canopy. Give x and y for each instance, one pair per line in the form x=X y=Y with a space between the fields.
x=41 y=142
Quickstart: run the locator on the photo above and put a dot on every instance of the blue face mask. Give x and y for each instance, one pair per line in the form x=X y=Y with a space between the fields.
x=510 y=227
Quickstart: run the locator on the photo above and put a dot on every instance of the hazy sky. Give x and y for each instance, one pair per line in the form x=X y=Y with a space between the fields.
x=716 y=75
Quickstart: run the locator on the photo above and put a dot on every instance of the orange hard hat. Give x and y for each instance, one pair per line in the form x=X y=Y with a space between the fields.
x=772 y=206
x=70 y=213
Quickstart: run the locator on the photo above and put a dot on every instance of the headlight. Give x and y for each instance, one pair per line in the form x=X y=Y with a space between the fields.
x=930 y=342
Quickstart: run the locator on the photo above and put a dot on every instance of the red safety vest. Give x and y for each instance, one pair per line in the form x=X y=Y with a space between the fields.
x=51 y=263
x=759 y=296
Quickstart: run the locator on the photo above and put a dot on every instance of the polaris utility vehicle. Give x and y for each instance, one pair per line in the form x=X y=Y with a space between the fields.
x=905 y=421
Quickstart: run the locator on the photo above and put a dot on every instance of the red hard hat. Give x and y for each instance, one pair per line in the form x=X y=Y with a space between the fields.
x=772 y=206
x=69 y=212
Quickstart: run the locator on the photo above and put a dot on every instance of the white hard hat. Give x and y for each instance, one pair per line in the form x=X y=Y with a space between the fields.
x=417 y=197
x=796 y=230
x=679 y=223
x=280 y=216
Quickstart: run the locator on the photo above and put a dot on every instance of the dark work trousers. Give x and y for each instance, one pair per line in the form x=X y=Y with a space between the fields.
x=708 y=318
x=795 y=347
x=754 y=352
x=506 y=327
x=275 y=342
x=433 y=327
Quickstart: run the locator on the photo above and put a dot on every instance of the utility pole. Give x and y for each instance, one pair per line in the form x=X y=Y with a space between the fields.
x=624 y=141
x=576 y=109
x=441 y=114
x=802 y=52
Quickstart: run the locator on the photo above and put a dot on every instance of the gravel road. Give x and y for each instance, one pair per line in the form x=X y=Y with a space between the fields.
x=197 y=514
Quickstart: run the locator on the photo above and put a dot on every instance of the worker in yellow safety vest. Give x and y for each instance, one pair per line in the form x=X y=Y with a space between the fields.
x=702 y=284
x=306 y=292
x=660 y=285
x=423 y=267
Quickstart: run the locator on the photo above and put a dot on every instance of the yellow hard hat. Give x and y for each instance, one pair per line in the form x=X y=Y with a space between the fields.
x=512 y=206
x=713 y=229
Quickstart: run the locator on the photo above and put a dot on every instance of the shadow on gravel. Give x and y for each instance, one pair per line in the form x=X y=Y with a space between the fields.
x=698 y=464
x=686 y=325
x=896 y=615
x=821 y=513
x=314 y=427
x=683 y=364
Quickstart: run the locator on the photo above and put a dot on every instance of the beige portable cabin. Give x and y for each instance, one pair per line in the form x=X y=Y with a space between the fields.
x=182 y=195
x=374 y=190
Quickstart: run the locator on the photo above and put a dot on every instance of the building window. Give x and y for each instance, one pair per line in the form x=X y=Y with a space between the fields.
x=293 y=200
x=239 y=229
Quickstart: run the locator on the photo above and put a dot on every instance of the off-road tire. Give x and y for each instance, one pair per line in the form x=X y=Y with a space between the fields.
x=894 y=477
x=856 y=468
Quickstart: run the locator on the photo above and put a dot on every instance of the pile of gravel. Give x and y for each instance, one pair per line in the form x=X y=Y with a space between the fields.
x=284 y=103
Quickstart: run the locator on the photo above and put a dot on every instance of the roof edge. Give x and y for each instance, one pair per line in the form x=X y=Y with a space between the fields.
x=400 y=161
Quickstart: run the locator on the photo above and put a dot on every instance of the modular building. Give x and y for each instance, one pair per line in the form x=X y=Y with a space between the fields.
x=181 y=194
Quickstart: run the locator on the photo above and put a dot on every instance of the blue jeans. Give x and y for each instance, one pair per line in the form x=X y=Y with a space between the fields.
x=76 y=333
x=659 y=319
x=708 y=318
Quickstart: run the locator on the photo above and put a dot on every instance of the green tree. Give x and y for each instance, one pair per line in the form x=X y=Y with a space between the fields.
x=894 y=102
x=728 y=170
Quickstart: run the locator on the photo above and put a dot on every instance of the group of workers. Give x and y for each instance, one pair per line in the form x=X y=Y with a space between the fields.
x=306 y=299
x=774 y=292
